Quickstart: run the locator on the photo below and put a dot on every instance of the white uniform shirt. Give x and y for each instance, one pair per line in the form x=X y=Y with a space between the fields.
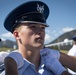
x=72 y=52
x=2 y=56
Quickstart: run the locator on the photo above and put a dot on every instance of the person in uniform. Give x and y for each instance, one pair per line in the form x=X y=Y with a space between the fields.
x=0 y=40
x=3 y=54
x=27 y=23
x=72 y=52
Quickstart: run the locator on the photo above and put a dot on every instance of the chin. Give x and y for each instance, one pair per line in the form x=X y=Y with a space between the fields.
x=40 y=46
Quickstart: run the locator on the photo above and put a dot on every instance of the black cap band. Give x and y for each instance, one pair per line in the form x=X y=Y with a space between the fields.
x=38 y=17
x=30 y=17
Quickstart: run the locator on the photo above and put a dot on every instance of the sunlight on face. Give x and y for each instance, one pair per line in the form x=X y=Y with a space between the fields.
x=31 y=34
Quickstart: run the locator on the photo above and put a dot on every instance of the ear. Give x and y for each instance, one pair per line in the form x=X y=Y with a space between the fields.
x=16 y=34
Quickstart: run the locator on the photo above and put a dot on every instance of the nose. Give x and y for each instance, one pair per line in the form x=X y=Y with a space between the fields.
x=40 y=31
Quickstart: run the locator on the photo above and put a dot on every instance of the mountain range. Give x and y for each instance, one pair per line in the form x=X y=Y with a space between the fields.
x=8 y=44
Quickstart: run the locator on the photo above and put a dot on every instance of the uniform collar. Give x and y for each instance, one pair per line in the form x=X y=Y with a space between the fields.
x=27 y=63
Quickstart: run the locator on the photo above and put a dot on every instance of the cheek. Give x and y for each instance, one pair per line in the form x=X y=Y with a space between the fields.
x=26 y=35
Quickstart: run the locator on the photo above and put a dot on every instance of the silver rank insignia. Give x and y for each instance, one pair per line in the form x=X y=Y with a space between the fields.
x=40 y=8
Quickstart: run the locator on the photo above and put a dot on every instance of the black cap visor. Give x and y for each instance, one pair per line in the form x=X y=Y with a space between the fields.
x=30 y=18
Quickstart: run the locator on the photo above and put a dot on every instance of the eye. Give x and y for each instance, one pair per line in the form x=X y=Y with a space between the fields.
x=43 y=27
x=32 y=26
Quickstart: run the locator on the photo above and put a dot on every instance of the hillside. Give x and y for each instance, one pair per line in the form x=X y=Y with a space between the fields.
x=67 y=35
x=62 y=37
x=8 y=44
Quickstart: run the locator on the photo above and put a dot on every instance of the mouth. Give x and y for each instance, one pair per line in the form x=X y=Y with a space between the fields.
x=40 y=39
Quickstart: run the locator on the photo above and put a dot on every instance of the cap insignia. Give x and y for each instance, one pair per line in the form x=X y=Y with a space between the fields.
x=40 y=8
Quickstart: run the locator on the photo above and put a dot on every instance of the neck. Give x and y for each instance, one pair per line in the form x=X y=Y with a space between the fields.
x=32 y=56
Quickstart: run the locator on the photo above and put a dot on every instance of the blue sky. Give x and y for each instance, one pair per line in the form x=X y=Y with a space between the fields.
x=62 y=17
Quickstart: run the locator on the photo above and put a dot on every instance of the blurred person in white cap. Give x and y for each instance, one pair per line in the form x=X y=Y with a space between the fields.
x=72 y=52
x=3 y=54
x=2 y=57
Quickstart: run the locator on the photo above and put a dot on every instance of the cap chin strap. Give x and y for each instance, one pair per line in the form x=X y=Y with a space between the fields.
x=34 y=22
x=46 y=25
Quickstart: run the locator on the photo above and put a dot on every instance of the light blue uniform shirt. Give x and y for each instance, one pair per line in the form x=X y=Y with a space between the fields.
x=29 y=69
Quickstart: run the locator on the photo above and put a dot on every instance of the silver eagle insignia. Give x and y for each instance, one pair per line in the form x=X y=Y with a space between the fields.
x=40 y=8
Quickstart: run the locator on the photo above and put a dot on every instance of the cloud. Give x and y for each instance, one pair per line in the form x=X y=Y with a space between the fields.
x=8 y=35
x=59 y=32
x=67 y=29
x=47 y=31
x=47 y=38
